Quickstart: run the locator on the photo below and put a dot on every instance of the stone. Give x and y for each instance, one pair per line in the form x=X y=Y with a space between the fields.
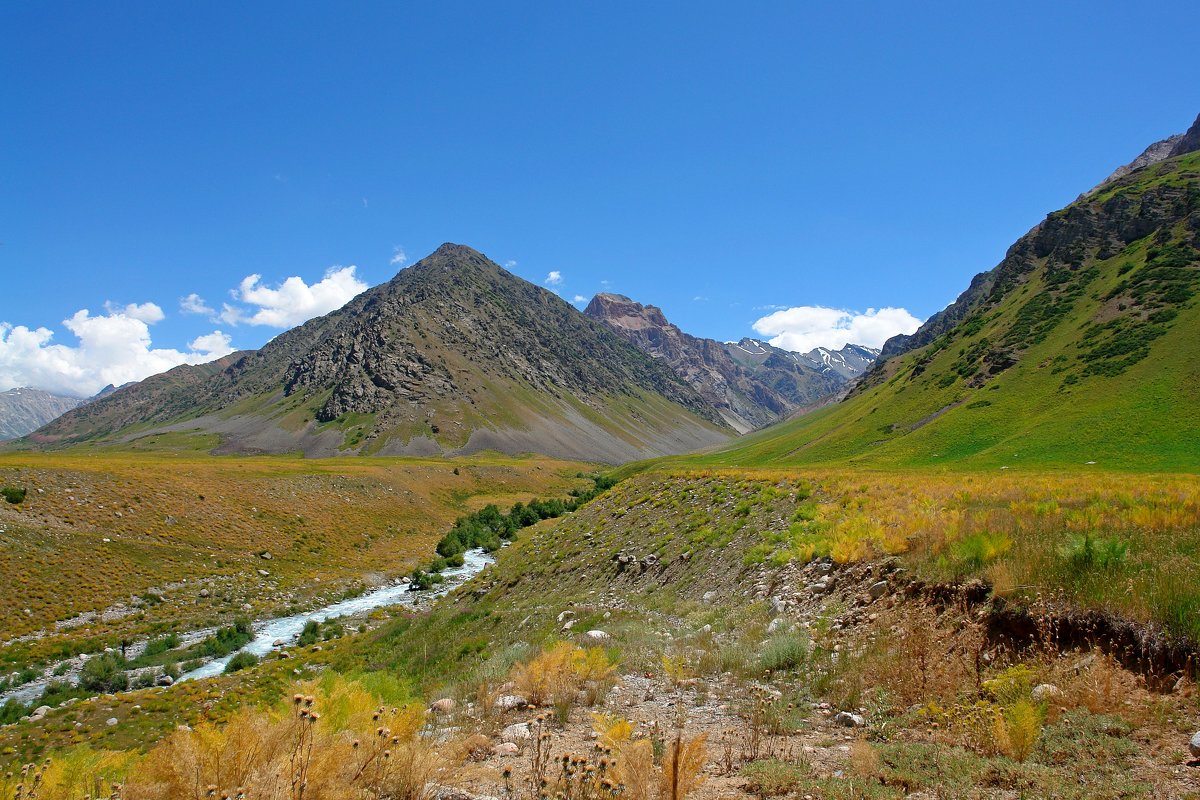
x=507 y=702
x=598 y=635
x=506 y=749
x=878 y=590
x=1045 y=691
x=278 y=643
x=778 y=605
x=443 y=706
x=111 y=722
x=1194 y=745
x=164 y=680
x=848 y=720
x=265 y=555
x=516 y=733
x=709 y=597
x=777 y=624
x=204 y=593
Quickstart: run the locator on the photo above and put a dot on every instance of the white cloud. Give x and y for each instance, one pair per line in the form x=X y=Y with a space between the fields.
x=215 y=342
x=510 y=263
x=804 y=327
x=148 y=313
x=554 y=278
x=580 y=298
x=195 y=304
x=398 y=256
x=113 y=348
x=293 y=301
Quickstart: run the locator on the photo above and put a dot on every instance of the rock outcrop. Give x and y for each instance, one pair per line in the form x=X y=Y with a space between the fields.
x=750 y=383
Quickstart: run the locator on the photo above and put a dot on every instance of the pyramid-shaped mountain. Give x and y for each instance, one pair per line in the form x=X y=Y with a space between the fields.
x=453 y=355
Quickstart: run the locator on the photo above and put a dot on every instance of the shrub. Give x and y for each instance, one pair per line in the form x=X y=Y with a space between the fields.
x=13 y=494
x=310 y=635
x=241 y=661
x=1018 y=728
x=557 y=673
x=683 y=767
x=1085 y=552
x=104 y=673
x=783 y=652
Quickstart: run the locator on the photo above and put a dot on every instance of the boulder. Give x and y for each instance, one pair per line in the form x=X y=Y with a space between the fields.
x=508 y=702
x=443 y=706
x=516 y=733
x=878 y=590
x=1194 y=745
x=598 y=635
x=506 y=749
x=777 y=624
x=111 y=722
x=709 y=597
x=848 y=720
x=1045 y=691
x=164 y=680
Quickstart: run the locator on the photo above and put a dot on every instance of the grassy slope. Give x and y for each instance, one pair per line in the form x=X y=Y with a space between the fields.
x=1045 y=411
x=175 y=516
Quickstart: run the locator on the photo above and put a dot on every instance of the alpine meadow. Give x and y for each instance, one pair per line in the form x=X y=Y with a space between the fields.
x=462 y=532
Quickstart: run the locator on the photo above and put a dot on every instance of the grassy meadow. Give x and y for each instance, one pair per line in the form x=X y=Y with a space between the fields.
x=110 y=546
x=694 y=645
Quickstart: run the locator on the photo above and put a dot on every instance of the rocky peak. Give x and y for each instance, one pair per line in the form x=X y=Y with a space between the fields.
x=1172 y=146
x=620 y=311
x=1189 y=142
x=751 y=383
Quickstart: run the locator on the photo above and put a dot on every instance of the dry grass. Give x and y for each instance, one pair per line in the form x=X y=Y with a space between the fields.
x=99 y=531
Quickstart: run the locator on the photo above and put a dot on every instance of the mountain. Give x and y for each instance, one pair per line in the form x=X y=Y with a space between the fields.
x=453 y=355
x=25 y=410
x=750 y=383
x=1080 y=347
x=849 y=363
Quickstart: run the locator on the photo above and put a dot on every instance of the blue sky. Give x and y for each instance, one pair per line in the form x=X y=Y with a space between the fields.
x=719 y=160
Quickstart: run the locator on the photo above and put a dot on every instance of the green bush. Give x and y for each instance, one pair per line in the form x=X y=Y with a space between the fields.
x=241 y=661
x=13 y=494
x=311 y=633
x=104 y=673
x=1085 y=552
x=783 y=652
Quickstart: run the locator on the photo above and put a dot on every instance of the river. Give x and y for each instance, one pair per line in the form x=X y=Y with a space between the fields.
x=268 y=631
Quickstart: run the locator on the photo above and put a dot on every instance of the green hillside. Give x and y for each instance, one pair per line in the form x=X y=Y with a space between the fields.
x=1082 y=346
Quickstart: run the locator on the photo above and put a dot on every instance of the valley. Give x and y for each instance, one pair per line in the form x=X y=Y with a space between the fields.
x=454 y=536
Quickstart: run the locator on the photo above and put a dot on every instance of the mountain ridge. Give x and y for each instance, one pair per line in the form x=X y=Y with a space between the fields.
x=1079 y=348
x=750 y=386
x=452 y=355
x=24 y=409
